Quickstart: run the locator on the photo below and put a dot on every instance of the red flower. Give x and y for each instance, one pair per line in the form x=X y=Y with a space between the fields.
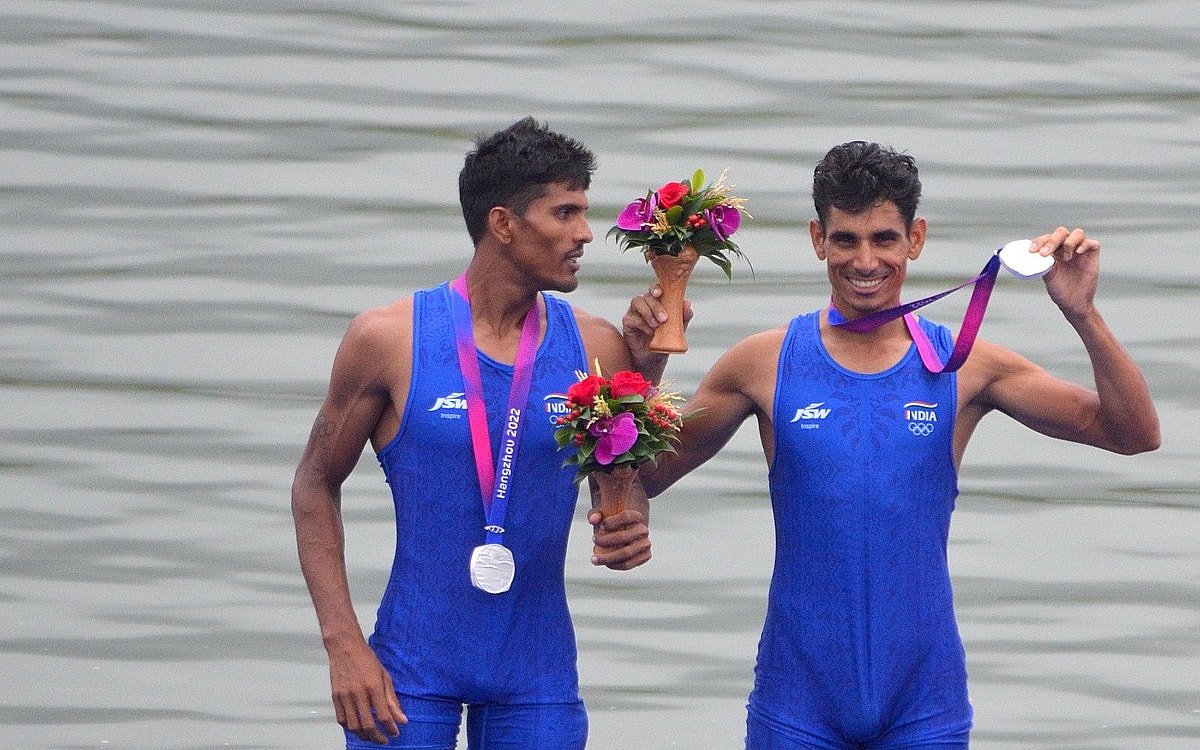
x=584 y=392
x=626 y=383
x=671 y=193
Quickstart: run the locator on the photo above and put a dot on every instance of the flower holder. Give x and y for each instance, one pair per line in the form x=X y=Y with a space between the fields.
x=673 y=272
x=614 y=492
x=614 y=488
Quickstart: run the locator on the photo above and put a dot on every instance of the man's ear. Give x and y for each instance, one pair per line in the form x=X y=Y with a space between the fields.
x=501 y=223
x=818 y=237
x=916 y=237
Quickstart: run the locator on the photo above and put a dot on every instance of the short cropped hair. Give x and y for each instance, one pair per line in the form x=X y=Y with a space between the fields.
x=514 y=167
x=857 y=175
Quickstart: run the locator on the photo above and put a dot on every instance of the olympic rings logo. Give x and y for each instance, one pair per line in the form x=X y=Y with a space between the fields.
x=921 y=429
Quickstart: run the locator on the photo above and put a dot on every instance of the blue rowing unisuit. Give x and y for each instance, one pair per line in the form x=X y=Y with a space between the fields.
x=860 y=645
x=437 y=635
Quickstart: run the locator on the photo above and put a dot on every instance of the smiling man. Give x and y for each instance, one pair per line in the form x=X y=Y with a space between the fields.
x=860 y=649
x=453 y=387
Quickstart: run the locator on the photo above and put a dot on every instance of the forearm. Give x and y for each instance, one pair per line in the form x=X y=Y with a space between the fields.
x=320 y=542
x=651 y=366
x=1127 y=421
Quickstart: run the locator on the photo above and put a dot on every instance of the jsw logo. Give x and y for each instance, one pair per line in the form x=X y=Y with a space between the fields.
x=451 y=401
x=812 y=411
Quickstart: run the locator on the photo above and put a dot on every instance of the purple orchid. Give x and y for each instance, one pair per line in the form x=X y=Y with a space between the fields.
x=638 y=214
x=724 y=220
x=614 y=436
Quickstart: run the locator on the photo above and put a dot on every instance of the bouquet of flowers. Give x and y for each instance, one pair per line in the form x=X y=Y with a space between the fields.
x=684 y=214
x=674 y=226
x=615 y=425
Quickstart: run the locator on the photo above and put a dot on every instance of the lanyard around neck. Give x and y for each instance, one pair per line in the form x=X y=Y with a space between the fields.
x=972 y=321
x=494 y=490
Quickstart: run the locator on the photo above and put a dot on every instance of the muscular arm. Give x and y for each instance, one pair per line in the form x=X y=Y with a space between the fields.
x=358 y=398
x=1117 y=416
x=741 y=383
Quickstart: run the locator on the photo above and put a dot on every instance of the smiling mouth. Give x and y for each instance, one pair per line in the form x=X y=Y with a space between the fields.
x=867 y=285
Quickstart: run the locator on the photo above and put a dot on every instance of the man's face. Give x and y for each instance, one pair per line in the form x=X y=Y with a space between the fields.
x=867 y=254
x=548 y=239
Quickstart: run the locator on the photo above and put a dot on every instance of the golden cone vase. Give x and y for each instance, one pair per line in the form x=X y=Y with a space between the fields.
x=673 y=272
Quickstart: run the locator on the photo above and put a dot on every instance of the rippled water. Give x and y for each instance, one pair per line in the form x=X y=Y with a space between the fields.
x=196 y=196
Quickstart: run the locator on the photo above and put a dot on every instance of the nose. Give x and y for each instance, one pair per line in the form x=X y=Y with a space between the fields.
x=584 y=235
x=864 y=257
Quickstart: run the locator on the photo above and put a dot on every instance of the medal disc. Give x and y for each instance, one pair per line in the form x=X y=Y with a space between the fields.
x=492 y=568
x=1015 y=256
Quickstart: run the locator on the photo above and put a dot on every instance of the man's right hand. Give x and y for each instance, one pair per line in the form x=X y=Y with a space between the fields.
x=646 y=313
x=364 y=699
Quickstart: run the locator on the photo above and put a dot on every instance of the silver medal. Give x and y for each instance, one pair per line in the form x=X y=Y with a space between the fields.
x=492 y=568
x=1015 y=256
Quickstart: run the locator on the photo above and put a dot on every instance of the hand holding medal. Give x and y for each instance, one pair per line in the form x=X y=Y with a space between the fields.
x=1014 y=256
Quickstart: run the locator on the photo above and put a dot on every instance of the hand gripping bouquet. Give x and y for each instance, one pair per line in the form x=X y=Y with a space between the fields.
x=616 y=424
x=673 y=227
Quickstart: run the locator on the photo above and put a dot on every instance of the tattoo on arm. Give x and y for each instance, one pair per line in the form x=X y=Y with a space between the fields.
x=322 y=430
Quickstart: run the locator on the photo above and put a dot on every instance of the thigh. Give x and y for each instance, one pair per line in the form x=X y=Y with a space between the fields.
x=762 y=734
x=538 y=726
x=432 y=725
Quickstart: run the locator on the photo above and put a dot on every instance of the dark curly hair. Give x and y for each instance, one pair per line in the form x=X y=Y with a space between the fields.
x=514 y=167
x=857 y=175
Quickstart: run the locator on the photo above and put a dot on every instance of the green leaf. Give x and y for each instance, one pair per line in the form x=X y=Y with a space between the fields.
x=697 y=180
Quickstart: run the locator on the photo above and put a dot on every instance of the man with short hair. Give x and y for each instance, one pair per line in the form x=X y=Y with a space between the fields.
x=475 y=610
x=860 y=649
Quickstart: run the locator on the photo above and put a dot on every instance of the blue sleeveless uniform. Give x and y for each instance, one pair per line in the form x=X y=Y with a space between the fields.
x=860 y=648
x=439 y=637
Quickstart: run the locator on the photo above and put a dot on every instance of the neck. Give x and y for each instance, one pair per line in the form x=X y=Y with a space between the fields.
x=498 y=310
x=866 y=352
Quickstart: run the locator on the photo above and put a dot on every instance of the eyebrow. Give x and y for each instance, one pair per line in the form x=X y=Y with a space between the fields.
x=882 y=234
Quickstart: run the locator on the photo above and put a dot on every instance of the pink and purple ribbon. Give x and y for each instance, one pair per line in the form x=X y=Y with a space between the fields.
x=493 y=486
x=972 y=320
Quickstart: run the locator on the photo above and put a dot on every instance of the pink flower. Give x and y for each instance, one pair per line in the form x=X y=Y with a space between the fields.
x=638 y=214
x=724 y=220
x=614 y=436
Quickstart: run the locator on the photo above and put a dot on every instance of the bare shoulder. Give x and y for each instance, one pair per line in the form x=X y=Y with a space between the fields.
x=376 y=348
x=602 y=341
x=982 y=378
x=747 y=370
x=754 y=354
x=381 y=328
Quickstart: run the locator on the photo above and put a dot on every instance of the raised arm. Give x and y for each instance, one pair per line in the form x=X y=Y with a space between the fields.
x=646 y=313
x=357 y=400
x=740 y=383
x=1119 y=414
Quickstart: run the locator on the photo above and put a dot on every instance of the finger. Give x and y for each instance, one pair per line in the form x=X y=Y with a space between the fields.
x=617 y=521
x=625 y=558
x=1046 y=244
x=642 y=315
x=361 y=722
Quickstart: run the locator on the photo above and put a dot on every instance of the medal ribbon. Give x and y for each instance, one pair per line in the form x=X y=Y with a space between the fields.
x=972 y=320
x=494 y=490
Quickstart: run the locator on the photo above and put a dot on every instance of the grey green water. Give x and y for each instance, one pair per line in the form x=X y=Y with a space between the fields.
x=195 y=196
